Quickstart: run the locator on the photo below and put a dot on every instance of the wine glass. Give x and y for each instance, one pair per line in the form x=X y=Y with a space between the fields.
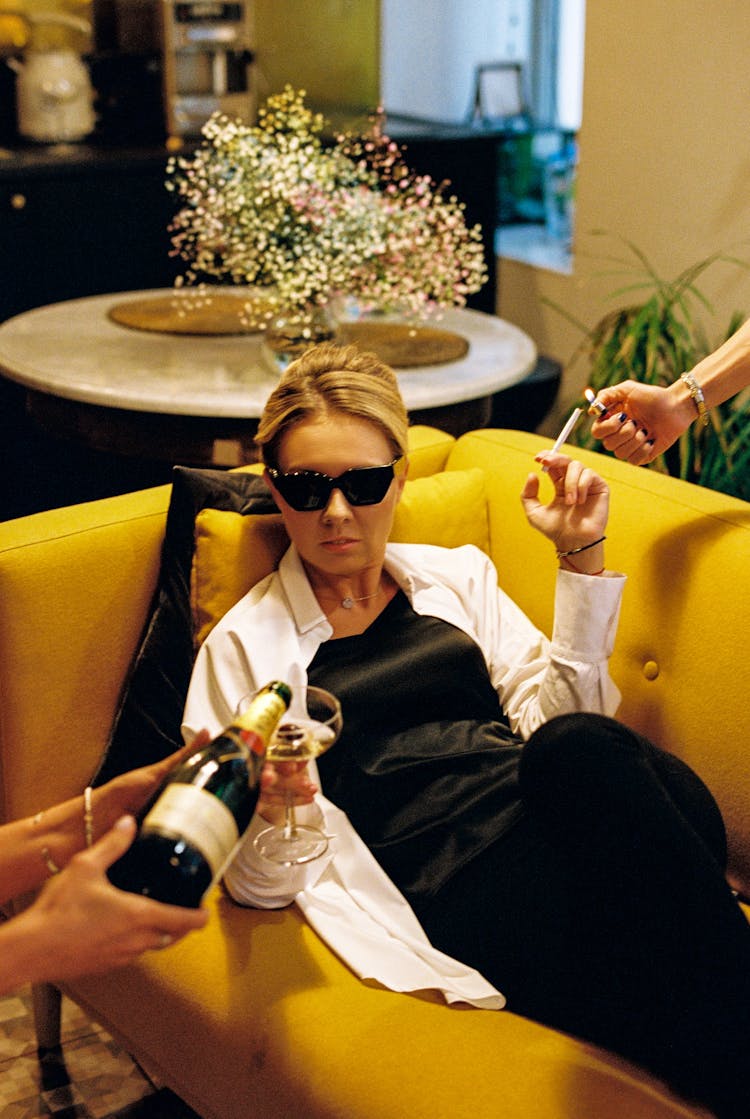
x=300 y=737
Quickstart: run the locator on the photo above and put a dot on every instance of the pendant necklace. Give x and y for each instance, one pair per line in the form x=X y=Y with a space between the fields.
x=348 y=602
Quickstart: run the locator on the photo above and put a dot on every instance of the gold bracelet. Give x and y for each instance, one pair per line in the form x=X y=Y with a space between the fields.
x=696 y=394
x=88 y=817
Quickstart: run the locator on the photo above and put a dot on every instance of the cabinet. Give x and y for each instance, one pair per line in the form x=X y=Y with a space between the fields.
x=82 y=222
x=467 y=159
x=74 y=221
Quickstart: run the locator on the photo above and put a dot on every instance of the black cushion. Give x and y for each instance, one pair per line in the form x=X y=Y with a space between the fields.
x=147 y=723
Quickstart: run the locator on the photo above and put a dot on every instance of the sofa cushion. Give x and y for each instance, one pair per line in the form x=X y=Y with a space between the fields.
x=234 y=551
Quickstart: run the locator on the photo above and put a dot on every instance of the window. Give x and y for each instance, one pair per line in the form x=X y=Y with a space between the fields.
x=439 y=57
x=430 y=50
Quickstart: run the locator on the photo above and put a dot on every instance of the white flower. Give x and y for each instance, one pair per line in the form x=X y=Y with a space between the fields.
x=274 y=205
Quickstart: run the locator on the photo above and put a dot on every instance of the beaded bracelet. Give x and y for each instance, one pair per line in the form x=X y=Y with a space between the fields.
x=88 y=817
x=88 y=830
x=583 y=548
x=696 y=393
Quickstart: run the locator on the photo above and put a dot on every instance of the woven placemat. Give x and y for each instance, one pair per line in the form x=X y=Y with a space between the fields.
x=403 y=346
x=192 y=313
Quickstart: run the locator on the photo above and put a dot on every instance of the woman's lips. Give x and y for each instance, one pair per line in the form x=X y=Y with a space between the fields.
x=339 y=544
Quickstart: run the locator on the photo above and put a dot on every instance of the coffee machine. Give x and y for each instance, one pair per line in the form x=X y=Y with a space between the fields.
x=207 y=62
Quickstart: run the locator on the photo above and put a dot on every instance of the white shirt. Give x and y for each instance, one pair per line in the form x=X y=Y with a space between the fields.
x=274 y=633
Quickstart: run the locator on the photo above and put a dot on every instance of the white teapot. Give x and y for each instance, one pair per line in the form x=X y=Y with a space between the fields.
x=54 y=96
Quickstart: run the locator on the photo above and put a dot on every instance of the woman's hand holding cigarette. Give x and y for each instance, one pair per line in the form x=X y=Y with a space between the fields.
x=576 y=517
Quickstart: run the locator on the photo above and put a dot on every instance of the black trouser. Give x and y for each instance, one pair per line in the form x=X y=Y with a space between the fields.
x=605 y=913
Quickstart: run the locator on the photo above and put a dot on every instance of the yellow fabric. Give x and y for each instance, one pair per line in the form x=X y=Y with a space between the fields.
x=14 y=32
x=75 y=588
x=449 y=509
x=289 y=1034
x=234 y=552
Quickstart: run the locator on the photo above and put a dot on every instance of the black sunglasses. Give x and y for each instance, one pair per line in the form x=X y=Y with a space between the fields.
x=307 y=490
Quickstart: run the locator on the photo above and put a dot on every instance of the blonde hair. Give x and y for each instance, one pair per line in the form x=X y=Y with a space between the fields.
x=329 y=378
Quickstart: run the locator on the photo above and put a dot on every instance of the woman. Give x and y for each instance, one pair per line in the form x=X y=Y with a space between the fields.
x=80 y=924
x=570 y=863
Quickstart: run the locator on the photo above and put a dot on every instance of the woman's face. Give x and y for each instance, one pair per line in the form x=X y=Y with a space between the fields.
x=340 y=540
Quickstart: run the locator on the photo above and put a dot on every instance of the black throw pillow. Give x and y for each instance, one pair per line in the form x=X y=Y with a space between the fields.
x=147 y=722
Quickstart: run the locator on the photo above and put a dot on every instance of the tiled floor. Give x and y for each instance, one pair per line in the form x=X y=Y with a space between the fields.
x=92 y=1078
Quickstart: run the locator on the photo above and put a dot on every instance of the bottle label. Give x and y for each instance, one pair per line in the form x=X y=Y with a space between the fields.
x=199 y=818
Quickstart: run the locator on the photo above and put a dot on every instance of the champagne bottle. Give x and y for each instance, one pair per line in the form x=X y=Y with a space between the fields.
x=193 y=825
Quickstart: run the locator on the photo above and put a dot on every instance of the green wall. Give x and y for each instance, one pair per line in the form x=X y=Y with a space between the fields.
x=330 y=48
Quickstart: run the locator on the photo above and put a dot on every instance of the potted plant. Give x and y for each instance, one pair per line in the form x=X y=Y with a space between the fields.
x=654 y=340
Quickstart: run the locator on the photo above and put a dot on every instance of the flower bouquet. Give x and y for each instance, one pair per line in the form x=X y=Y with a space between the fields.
x=275 y=205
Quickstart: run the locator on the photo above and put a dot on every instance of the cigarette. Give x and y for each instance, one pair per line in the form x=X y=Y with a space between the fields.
x=571 y=423
x=594 y=404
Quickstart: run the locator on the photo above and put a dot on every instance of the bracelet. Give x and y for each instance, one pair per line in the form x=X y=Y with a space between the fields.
x=583 y=548
x=88 y=817
x=696 y=394
x=578 y=571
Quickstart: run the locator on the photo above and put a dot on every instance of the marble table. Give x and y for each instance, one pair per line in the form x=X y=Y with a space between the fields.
x=196 y=399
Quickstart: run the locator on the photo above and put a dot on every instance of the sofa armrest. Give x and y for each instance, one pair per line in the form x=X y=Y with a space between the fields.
x=75 y=589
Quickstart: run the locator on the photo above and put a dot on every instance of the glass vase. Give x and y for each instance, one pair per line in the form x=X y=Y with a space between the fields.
x=296 y=329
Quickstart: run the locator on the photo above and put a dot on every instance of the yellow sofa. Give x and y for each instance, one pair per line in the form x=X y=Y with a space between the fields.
x=254 y=1016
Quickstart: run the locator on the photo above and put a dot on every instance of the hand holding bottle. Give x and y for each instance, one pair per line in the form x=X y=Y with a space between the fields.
x=82 y=925
x=128 y=793
x=194 y=826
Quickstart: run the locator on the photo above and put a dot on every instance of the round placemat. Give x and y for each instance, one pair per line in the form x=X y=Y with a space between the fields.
x=192 y=313
x=401 y=345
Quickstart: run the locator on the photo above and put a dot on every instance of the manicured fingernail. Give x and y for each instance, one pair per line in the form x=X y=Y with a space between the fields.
x=623 y=417
x=650 y=442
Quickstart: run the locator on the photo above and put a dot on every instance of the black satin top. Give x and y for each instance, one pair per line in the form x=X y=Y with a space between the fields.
x=426 y=766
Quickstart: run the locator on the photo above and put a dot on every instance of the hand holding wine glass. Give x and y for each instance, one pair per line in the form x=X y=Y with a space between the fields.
x=280 y=782
x=298 y=739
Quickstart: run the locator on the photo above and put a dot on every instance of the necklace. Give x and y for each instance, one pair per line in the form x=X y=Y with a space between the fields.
x=348 y=602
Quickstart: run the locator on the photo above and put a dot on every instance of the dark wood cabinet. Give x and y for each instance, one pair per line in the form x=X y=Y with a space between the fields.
x=82 y=223
x=74 y=221
x=467 y=159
